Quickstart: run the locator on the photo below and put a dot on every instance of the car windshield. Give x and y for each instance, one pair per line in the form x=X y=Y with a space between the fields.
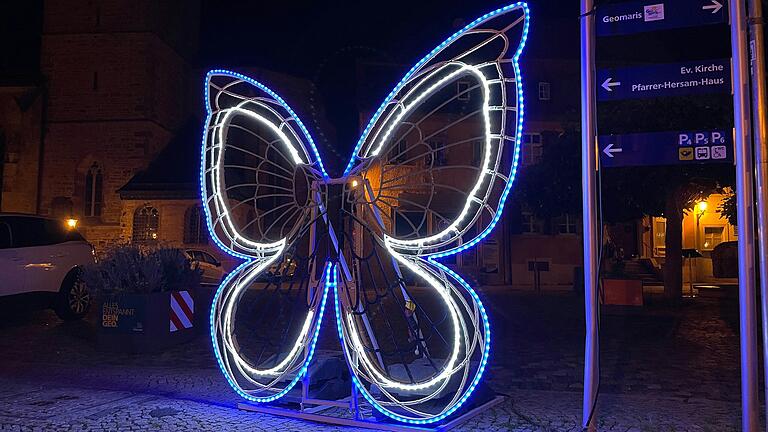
x=32 y=231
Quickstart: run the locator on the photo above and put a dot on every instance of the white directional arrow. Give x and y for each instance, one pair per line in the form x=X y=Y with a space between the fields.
x=714 y=7
x=608 y=84
x=609 y=150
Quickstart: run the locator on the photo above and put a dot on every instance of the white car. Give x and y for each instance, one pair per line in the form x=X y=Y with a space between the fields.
x=41 y=259
x=213 y=273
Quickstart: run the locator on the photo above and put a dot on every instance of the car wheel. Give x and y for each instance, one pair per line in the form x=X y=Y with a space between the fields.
x=74 y=299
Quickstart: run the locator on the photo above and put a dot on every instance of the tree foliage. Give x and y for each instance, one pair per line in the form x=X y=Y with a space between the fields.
x=552 y=187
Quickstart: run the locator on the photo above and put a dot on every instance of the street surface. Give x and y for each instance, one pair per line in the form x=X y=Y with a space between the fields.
x=664 y=369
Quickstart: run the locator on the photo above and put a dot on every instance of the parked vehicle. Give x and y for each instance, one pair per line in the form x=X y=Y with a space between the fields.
x=41 y=260
x=281 y=271
x=213 y=273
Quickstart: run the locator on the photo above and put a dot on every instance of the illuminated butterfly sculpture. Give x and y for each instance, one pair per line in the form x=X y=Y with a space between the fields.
x=427 y=180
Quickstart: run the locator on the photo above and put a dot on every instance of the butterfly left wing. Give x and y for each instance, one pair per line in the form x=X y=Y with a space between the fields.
x=429 y=178
x=261 y=182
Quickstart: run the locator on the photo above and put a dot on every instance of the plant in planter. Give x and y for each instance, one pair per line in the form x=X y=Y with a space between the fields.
x=619 y=289
x=146 y=297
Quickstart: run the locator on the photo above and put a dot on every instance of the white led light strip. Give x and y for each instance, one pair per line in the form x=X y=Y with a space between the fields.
x=485 y=172
x=239 y=370
x=458 y=331
x=217 y=175
x=467 y=339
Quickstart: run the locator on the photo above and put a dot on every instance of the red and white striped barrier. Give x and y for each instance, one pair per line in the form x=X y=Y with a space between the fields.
x=182 y=310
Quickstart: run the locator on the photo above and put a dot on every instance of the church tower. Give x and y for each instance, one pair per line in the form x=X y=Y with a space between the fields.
x=115 y=74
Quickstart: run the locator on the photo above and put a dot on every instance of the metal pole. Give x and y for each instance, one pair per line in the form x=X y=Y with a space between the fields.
x=745 y=209
x=760 y=132
x=589 y=195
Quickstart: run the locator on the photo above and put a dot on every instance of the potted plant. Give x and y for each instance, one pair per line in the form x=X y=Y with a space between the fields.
x=146 y=297
x=620 y=290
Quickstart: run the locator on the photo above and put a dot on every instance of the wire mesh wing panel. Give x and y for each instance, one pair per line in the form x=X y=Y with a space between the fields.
x=441 y=152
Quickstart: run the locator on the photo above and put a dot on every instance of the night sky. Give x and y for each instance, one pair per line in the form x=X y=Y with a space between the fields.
x=318 y=40
x=325 y=41
x=297 y=36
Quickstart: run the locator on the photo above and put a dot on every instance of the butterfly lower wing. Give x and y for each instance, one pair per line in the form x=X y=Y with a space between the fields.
x=266 y=317
x=415 y=334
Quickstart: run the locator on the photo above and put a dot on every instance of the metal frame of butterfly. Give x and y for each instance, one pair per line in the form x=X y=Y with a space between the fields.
x=414 y=334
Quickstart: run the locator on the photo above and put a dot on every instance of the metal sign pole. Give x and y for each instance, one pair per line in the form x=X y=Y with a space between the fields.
x=745 y=199
x=760 y=132
x=589 y=195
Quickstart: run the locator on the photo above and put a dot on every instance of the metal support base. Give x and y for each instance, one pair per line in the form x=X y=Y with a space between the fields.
x=316 y=414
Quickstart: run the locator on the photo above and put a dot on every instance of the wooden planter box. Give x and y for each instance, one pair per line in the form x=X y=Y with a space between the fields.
x=146 y=322
x=623 y=292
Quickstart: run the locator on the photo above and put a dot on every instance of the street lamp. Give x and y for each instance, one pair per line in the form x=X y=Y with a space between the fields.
x=701 y=208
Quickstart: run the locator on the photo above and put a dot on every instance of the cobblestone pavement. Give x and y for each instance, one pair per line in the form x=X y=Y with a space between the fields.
x=663 y=369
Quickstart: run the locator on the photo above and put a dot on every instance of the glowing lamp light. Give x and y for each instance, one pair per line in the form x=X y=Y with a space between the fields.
x=702 y=206
x=72 y=223
x=355 y=183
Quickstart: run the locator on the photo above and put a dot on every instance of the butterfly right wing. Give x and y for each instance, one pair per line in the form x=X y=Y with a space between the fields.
x=259 y=179
x=431 y=174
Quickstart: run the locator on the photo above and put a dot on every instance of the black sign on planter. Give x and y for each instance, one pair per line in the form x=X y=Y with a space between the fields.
x=124 y=313
x=140 y=323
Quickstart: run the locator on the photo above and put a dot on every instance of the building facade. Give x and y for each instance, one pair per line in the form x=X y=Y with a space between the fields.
x=523 y=251
x=113 y=93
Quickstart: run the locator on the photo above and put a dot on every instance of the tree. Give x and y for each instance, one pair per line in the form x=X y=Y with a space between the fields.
x=664 y=191
x=553 y=187
x=668 y=191
x=728 y=207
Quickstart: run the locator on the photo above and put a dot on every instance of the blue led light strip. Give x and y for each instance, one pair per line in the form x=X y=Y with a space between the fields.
x=431 y=55
x=330 y=278
x=431 y=258
x=274 y=96
x=326 y=285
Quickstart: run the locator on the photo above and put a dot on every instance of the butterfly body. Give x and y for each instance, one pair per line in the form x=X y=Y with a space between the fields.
x=427 y=179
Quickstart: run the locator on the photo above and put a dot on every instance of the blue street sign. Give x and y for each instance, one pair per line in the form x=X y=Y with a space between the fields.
x=666 y=148
x=652 y=15
x=672 y=79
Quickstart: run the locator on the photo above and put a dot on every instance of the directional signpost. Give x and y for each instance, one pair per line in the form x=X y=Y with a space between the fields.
x=719 y=144
x=666 y=148
x=673 y=79
x=652 y=15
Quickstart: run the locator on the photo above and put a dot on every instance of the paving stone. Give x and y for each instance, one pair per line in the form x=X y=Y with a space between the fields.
x=665 y=369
